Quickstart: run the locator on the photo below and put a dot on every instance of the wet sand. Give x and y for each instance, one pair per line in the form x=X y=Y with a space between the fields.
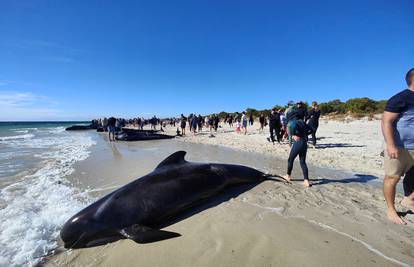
x=339 y=221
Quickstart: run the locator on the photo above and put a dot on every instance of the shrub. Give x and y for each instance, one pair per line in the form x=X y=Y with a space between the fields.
x=361 y=105
x=334 y=106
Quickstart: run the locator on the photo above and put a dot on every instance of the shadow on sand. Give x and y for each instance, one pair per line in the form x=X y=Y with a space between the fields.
x=323 y=146
x=358 y=178
x=212 y=202
x=322 y=137
x=404 y=213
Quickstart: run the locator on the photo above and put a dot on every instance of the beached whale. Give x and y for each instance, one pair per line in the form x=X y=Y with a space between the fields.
x=137 y=210
x=92 y=126
x=140 y=135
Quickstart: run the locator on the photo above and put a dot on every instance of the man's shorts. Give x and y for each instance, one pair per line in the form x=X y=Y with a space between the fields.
x=111 y=129
x=397 y=168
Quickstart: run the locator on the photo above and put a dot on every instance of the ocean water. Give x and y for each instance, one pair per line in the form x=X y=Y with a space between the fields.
x=35 y=197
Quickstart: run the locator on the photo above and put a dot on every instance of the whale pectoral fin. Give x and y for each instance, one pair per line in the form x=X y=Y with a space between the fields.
x=143 y=234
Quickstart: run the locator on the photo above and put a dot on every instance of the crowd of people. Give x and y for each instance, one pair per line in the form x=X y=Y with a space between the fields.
x=293 y=125
x=280 y=121
x=296 y=123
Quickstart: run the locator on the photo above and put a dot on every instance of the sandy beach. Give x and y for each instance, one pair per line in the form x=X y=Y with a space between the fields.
x=349 y=144
x=340 y=221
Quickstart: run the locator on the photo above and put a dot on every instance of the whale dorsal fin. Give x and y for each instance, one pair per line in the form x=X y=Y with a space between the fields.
x=175 y=158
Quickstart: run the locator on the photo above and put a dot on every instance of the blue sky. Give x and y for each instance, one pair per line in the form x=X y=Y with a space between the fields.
x=65 y=60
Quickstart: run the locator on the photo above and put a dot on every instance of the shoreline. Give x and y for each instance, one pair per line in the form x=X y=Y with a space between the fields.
x=347 y=211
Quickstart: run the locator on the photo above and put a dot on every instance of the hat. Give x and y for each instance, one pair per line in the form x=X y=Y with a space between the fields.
x=290 y=103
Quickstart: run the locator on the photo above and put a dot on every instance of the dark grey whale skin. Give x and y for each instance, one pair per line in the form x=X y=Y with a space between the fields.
x=135 y=210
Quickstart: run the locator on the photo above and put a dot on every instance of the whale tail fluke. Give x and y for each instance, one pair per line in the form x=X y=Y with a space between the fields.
x=143 y=234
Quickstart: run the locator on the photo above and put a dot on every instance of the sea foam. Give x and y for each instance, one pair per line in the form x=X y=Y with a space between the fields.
x=33 y=209
x=16 y=137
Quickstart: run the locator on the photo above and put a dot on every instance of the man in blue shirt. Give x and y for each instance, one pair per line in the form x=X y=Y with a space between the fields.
x=398 y=130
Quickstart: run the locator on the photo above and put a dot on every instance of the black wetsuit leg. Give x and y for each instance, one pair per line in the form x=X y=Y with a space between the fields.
x=278 y=133
x=298 y=148
x=408 y=182
x=272 y=136
x=302 y=159
x=314 y=129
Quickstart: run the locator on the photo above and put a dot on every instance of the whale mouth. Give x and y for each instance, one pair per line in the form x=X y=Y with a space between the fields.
x=81 y=242
x=103 y=241
x=72 y=243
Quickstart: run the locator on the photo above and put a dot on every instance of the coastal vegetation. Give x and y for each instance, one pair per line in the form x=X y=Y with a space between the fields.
x=357 y=107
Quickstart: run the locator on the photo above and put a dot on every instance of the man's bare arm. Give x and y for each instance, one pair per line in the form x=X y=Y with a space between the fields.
x=388 y=119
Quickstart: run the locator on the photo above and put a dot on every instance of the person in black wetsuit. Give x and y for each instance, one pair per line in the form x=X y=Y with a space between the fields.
x=153 y=122
x=300 y=132
x=183 y=122
x=261 y=121
x=251 y=119
x=313 y=121
x=111 y=128
x=274 y=126
x=237 y=117
x=200 y=121
x=301 y=111
x=194 y=123
x=216 y=122
x=408 y=182
x=230 y=120
x=190 y=121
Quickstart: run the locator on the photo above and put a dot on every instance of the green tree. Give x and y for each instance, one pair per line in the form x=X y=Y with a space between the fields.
x=334 y=106
x=361 y=105
x=380 y=106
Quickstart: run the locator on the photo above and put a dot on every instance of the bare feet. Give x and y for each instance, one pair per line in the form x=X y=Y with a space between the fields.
x=393 y=217
x=306 y=183
x=288 y=178
x=408 y=203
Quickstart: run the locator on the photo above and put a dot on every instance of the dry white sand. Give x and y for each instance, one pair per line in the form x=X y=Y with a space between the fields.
x=334 y=223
